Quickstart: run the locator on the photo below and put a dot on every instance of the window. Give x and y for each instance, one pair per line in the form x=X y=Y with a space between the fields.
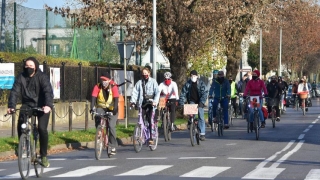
x=54 y=50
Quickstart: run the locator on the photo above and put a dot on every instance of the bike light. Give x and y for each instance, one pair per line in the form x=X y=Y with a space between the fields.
x=23 y=126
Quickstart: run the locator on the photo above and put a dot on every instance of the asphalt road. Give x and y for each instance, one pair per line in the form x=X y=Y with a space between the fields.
x=288 y=151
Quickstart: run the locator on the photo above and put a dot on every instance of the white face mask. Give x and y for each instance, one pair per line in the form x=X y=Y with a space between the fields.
x=194 y=78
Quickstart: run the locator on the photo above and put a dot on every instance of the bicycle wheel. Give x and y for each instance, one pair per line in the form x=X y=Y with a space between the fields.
x=273 y=117
x=155 y=138
x=38 y=168
x=169 y=125
x=165 y=127
x=297 y=105
x=218 y=123
x=198 y=135
x=221 y=124
x=256 y=124
x=98 y=142
x=24 y=160
x=192 y=132
x=230 y=115
x=303 y=107
x=138 y=138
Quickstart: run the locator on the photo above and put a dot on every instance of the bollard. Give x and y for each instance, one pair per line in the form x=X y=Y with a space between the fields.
x=53 y=119
x=13 y=130
x=70 y=117
x=86 y=116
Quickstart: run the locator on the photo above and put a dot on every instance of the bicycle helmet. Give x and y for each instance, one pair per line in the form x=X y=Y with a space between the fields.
x=167 y=75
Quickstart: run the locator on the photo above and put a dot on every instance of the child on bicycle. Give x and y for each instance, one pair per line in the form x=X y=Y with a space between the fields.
x=105 y=98
x=274 y=90
x=145 y=89
x=195 y=92
x=221 y=90
x=255 y=87
x=169 y=89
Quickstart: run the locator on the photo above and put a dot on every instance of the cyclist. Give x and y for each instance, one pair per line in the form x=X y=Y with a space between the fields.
x=169 y=89
x=302 y=87
x=314 y=89
x=221 y=90
x=284 y=86
x=195 y=91
x=105 y=98
x=294 y=92
x=274 y=93
x=255 y=87
x=34 y=88
x=145 y=89
x=233 y=96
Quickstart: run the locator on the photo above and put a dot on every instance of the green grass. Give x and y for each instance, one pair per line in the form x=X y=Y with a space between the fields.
x=8 y=143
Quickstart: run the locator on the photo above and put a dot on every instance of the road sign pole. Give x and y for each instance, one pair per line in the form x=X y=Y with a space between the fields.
x=125 y=86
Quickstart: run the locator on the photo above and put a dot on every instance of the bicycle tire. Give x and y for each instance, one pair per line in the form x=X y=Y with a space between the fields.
x=38 y=167
x=273 y=118
x=221 y=126
x=198 y=135
x=230 y=115
x=165 y=127
x=153 y=147
x=169 y=126
x=297 y=104
x=218 y=124
x=192 y=132
x=24 y=160
x=138 y=138
x=98 y=142
x=256 y=124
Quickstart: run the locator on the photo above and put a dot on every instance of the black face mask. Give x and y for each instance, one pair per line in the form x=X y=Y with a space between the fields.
x=254 y=77
x=274 y=81
x=28 y=71
x=220 y=79
x=230 y=81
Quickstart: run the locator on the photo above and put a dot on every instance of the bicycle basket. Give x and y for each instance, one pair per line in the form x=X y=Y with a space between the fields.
x=162 y=102
x=303 y=95
x=190 y=109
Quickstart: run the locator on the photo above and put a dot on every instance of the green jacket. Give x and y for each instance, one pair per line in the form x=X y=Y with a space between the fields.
x=233 y=90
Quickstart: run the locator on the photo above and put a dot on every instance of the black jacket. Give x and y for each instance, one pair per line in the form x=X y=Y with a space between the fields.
x=37 y=93
x=274 y=90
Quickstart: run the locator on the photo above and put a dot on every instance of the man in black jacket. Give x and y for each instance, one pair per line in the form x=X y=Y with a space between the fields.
x=274 y=94
x=35 y=90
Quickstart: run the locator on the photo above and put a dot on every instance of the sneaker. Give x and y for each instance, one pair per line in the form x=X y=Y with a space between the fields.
x=113 y=151
x=173 y=127
x=151 y=142
x=278 y=119
x=202 y=138
x=45 y=162
x=263 y=124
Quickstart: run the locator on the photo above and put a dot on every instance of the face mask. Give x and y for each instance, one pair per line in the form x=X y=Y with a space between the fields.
x=220 y=79
x=254 y=77
x=105 y=83
x=273 y=81
x=194 y=79
x=250 y=77
x=28 y=71
x=230 y=81
x=167 y=82
x=145 y=76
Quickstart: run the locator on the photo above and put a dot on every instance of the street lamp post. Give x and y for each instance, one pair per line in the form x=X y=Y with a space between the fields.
x=154 y=40
x=280 y=51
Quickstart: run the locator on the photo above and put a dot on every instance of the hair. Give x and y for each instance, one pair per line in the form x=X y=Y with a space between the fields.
x=147 y=69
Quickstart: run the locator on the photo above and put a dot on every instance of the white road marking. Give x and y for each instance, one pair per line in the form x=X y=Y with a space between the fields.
x=205 y=172
x=310 y=126
x=306 y=130
x=314 y=174
x=262 y=164
x=84 y=159
x=315 y=121
x=58 y=159
x=231 y=144
x=287 y=155
x=246 y=158
x=84 y=171
x=141 y=158
x=197 y=157
x=264 y=173
x=301 y=136
x=145 y=170
x=32 y=173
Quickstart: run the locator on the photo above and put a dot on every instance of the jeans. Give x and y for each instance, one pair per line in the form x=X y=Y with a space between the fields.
x=259 y=110
x=201 y=122
x=112 y=127
x=224 y=104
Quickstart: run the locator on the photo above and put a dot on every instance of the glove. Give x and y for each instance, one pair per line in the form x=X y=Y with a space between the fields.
x=201 y=105
x=115 y=111
x=132 y=104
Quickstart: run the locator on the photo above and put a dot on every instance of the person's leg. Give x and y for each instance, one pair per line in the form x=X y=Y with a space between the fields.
x=112 y=131
x=214 y=109
x=97 y=119
x=43 y=120
x=235 y=106
x=150 y=120
x=172 y=110
x=201 y=122
x=224 y=105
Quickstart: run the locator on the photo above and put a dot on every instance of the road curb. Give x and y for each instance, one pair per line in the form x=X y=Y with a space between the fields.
x=77 y=145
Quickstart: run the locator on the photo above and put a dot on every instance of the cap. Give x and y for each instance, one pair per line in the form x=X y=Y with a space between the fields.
x=257 y=72
x=105 y=75
x=194 y=72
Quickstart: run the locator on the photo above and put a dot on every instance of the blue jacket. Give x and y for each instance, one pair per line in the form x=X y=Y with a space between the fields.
x=220 y=90
x=186 y=89
x=151 y=89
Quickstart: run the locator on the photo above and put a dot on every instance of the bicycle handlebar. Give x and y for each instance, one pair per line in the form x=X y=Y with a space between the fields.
x=35 y=109
x=104 y=114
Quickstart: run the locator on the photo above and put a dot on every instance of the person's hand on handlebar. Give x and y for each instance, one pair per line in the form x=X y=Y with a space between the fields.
x=46 y=109
x=10 y=111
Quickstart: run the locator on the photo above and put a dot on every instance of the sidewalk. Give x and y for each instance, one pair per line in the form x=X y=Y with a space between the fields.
x=78 y=125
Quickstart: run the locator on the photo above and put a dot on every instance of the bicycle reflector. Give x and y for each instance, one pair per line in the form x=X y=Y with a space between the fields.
x=23 y=126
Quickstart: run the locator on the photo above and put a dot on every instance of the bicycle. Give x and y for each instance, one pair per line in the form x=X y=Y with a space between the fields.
x=303 y=97
x=282 y=107
x=101 y=140
x=273 y=112
x=194 y=130
x=141 y=133
x=254 y=102
x=27 y=149
x=219 y=125
x=165 y=118
x=230 y=111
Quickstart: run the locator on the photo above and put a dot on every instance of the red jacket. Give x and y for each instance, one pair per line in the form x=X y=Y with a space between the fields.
x=255 y=88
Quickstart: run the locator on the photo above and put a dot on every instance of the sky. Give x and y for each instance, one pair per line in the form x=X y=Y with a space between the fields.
x=38 y=4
